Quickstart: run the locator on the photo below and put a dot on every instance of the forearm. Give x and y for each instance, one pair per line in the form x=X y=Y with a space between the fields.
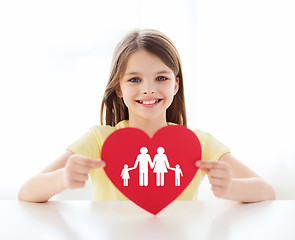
x=42 y=187
x=252 y=189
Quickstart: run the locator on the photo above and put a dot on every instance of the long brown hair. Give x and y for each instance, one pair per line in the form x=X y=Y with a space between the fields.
x=155 y=42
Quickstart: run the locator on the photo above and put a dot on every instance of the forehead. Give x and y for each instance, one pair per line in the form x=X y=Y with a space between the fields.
x=142 y=61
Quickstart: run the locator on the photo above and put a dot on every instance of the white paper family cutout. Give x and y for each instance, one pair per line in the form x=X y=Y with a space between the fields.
x=160 y=164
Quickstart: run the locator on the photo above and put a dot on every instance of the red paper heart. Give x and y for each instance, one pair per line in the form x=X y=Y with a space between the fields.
x=181 y=146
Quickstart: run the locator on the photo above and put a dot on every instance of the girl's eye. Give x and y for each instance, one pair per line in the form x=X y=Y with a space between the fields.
x=161 y=78
x=134 y=80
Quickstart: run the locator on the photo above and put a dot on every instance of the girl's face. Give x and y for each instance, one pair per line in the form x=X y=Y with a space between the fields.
x=147 y=86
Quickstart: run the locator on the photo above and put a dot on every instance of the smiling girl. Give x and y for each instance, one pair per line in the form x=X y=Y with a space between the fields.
x=145 y=91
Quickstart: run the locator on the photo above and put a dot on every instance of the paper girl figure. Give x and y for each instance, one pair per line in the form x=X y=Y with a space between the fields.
x=125 y=174
x=161 y=164
x=178 y=173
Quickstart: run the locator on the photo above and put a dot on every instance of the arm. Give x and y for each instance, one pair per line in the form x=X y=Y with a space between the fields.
x=67 y=172
x=136 y=162
x=152 y=164
x=166 y=161
x=230 y=179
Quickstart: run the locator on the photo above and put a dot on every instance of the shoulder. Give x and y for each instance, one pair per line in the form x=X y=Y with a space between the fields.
x=107 y=128
x=98 y=129
x=212 y=148
x=91 y=142
x=103 y=131
x=202 y=135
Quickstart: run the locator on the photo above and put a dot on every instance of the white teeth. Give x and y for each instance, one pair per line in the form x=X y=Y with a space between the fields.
x=149 y=102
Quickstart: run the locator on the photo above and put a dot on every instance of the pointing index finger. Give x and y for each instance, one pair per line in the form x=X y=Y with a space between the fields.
x=95 y=163
x=206 y=164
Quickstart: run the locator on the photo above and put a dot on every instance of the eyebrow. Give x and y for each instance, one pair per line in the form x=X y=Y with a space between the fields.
x=138 y=73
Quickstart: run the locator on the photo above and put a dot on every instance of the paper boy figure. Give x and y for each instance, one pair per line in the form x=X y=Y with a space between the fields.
x=178 y=173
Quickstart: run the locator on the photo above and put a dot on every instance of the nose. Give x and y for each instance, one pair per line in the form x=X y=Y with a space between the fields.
x=148 y=92
x=148 y=88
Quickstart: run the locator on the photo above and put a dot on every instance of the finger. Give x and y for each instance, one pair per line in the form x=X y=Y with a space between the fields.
x=210 y=164
x=81 y=177
x=218 y=191
x=91 y=163
x=206 y=164
x=217 y=173
x=205 y=170
x=217 y=182
x=77 y=176
x=81 y=169
x=100 y=164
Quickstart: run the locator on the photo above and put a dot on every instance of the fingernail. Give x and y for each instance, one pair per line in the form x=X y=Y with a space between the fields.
x=198 y=163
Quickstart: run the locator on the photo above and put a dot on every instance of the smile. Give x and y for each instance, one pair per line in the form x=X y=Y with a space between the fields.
x=149 y=102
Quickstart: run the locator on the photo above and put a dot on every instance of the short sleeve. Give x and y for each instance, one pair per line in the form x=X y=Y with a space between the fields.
x=87 y=145
x=212 y=149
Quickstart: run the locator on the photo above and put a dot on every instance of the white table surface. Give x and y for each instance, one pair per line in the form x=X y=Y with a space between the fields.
x=205 y=220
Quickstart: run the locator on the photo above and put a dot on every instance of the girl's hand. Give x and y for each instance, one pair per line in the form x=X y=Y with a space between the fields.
x=76 y=170
x=219 y=174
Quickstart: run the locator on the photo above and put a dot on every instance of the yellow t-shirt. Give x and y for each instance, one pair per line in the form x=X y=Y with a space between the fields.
x=90 y=146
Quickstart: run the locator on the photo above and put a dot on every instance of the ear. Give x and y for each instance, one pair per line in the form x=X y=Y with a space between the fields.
x=119 y=92
x=176 y=87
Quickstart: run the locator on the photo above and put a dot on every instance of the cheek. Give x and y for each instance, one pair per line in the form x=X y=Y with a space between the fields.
x=170 y=91
x=128 y=94
x=169 y=95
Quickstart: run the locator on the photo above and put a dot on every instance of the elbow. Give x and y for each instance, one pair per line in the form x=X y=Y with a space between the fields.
x=27 y=197
x=269 y=192
x=272 y=193
x=20 y=195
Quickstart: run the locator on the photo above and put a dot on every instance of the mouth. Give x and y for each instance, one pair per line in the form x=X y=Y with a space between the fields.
x=149 y=102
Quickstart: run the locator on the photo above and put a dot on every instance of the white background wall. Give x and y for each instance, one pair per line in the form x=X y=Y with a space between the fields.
x=238 y=62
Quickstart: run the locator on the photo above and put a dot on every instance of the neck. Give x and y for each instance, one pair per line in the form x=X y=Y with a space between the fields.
x=150 y=127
